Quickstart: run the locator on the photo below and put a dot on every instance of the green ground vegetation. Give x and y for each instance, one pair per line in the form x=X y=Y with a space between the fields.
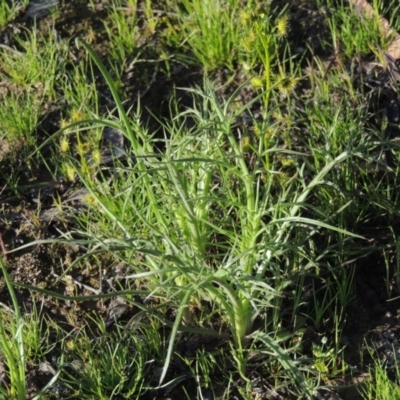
x=257 y=180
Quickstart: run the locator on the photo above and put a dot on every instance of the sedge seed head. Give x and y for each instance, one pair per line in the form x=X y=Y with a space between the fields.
x=248 y=41
x=64 y=144
x=70 y=344
x=82 y=148
x=257 y=130
x=282 y=26
x=287 y=162
x=245 y=144
x=89 y=200
x=64 y=123
x=77 y=115
x=244 y=17
x=85 y=169
x=288 y=83
x=282 y=178
x=277 y=115
x=96 y=156
x=288 y=121
x=284 y=120
x=259 y=8
x=257 y=82
x=269 y=133
x=70 y=173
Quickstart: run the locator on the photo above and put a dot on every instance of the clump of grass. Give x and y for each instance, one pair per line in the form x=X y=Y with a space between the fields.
x=122 y=31
x=17 y=128
x=380 y=385
x=10 y=9
x=209 y=29
x=12 y=346
x=347 y=37
x=262 y=42
x=35 y=64
x=115 y=364
x=165 y=208
x=31 y=75
x=80 y=91
x=23 y=342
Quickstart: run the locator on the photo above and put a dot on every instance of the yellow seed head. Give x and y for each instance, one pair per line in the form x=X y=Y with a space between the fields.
x=288 y=84
x=257 y=82
x=77 y=115
x=85 y=169
x=70 y=344
x=70 y=172
x=247 y=42
x=282 y=178
x=89 y=200
x=277 y=115
x=257 y=130
x=282 y=26
x=64 y=144
x=287 y=162
x=244 y=17
x=245 y=143
x=64 y=123
x=96 y=156
x=82 y=148
x=269 y=133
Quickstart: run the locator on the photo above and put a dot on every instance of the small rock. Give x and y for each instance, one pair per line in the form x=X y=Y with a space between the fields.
x=40 y=8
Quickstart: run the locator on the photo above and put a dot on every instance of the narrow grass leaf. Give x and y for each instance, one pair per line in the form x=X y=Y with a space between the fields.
x=285 y=360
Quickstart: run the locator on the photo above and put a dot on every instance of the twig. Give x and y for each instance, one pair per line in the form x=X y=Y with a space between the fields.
x=3 y=247
x=77 y=283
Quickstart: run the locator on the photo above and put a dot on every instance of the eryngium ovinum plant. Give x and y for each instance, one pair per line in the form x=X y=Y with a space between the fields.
x=204 y=227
